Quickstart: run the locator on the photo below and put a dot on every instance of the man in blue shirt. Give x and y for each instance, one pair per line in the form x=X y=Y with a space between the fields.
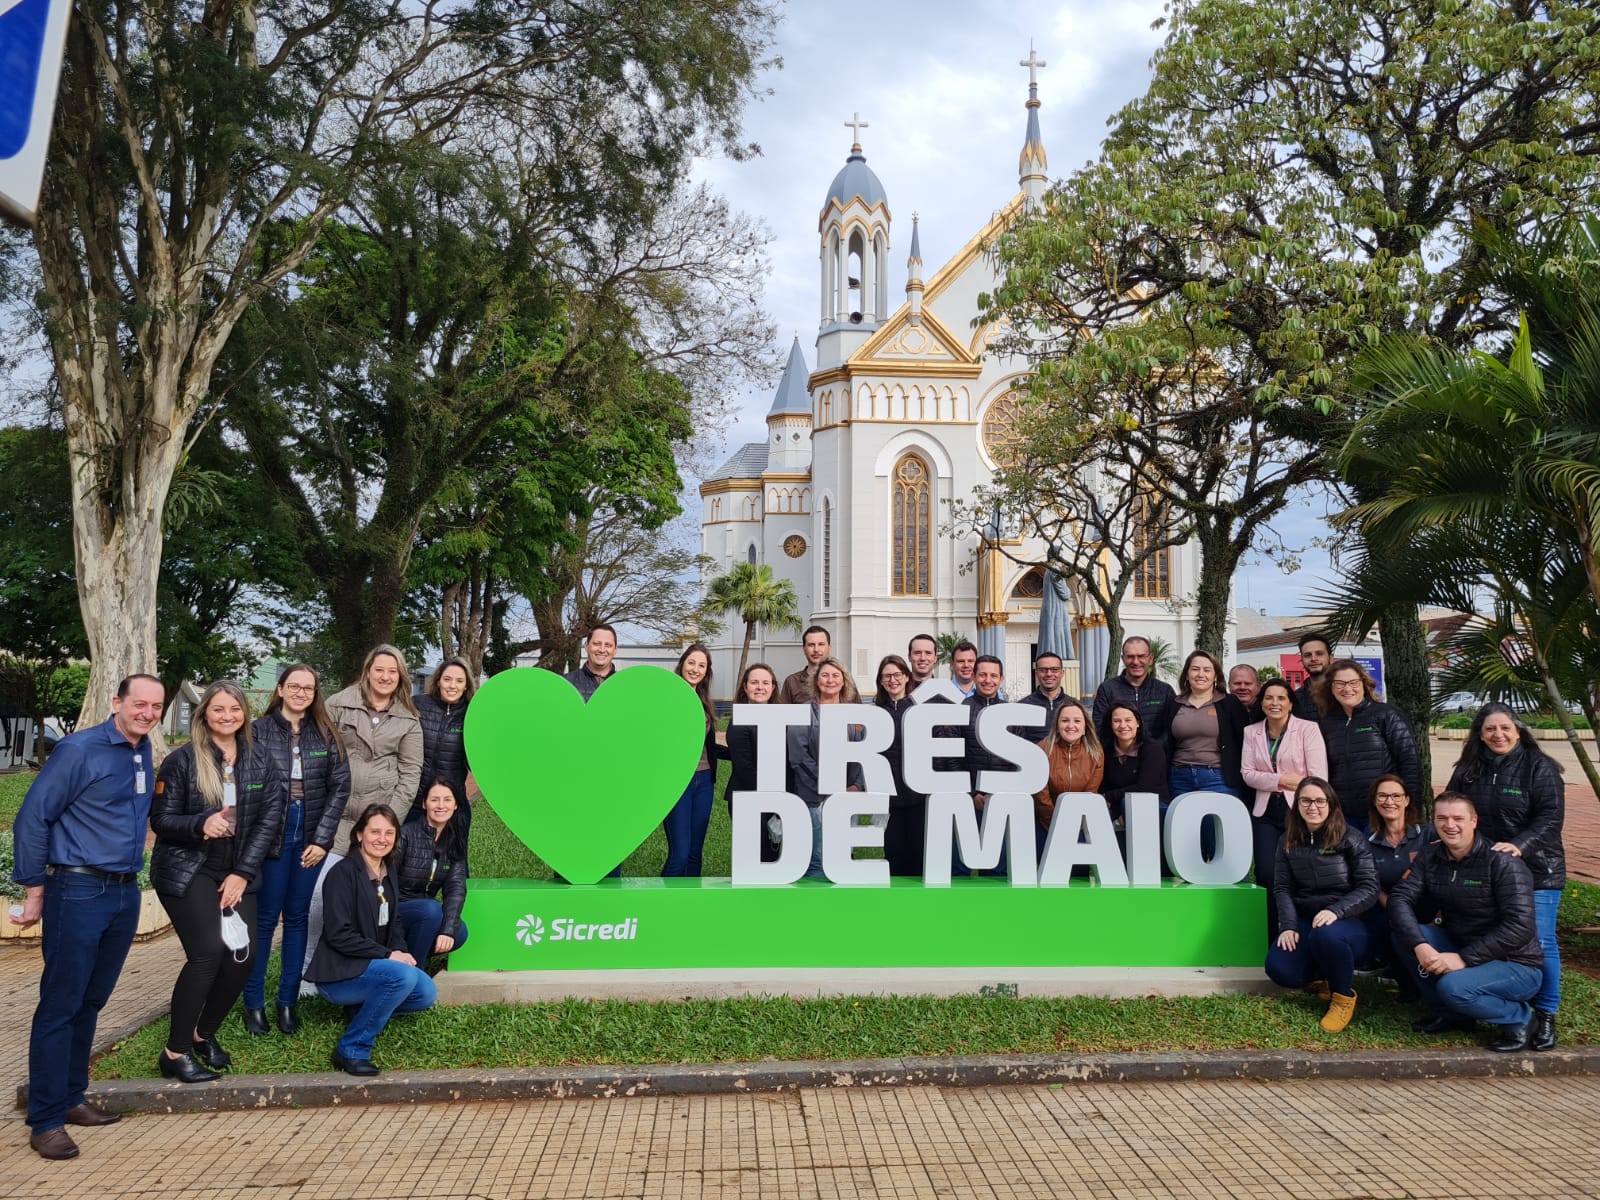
x=79 y=845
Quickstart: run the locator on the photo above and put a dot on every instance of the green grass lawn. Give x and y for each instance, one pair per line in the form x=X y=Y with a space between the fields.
x=12 y=789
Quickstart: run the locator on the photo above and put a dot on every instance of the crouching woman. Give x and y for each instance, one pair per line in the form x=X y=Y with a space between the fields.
x=361 y=960
x=1323 y=881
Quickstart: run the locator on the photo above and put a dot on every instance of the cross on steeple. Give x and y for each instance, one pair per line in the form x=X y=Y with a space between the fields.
x=856 y=125
x=1033 y=62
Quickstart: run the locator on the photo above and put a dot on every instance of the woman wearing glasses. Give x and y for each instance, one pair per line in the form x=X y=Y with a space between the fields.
x=1365 y=738
x=299 y=737
x=1323 y=882
x=1399 y=831
x=908 y=811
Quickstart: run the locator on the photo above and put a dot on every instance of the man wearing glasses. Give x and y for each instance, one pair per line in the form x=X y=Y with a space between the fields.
x=1048 y=695
x=1138 y=688
x=79 y=847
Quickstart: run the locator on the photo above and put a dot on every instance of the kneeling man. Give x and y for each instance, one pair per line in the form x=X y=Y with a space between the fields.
x=1482 y=962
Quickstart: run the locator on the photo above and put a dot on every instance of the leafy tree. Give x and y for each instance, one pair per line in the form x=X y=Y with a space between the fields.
x=753 y=595
x=199 y=149
x=1297 y=181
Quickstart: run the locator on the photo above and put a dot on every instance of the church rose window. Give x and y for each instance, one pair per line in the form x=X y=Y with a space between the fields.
x=794 y=545
x=912 y=509
x=999 y=430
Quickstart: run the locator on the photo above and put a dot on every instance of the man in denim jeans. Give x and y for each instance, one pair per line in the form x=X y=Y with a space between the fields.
x=79 y=848
x=1482 y=961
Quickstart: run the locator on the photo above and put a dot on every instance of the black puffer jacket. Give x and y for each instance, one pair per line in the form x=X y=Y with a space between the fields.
x=903 y=796
x=1521 y=799
x=1308 y=879
x=324 y=769
x=425 y=871
x=444 y=752
x=1148 y=700
x=178 y=815
x=1486 y=900
x=979 y=757
x=1374 y=740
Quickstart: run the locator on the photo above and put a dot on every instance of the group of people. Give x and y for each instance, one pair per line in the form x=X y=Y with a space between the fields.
x=294 y=816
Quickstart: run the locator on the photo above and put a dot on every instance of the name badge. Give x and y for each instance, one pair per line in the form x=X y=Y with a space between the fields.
x=230 y=795
x=294 y=771
x=138 y=781
x=383 y=913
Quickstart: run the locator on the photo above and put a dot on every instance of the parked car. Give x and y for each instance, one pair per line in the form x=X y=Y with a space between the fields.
x=1460 y=702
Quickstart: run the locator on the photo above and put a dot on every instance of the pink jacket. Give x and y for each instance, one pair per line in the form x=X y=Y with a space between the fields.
x=1301 y=752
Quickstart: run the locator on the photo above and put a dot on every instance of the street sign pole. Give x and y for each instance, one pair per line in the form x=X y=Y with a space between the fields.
x=33 y=37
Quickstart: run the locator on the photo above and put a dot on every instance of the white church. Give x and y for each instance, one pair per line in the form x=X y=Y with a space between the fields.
x=901 y=411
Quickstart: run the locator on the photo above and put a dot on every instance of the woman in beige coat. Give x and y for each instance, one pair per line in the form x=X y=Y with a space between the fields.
x=381 y=732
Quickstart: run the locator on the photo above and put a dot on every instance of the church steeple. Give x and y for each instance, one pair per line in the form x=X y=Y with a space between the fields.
x=854 y=231
x=1032 y=165
x=914 y=275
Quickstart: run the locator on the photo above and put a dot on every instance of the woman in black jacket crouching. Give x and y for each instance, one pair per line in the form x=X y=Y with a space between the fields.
x=217 y=814
x=361 y=960
x=1322 y=883
x=432 y=869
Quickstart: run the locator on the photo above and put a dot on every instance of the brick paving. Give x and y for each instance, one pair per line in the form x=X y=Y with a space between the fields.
x=1457 y=1139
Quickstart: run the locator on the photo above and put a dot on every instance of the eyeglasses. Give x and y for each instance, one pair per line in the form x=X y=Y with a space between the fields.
x=1345 y=685
x=892 y=675
x=1048 y=670
x=300 y=689
x=1390 y=796
x=1313 y=802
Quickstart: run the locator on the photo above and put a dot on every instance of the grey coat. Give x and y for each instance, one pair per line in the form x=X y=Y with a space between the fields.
x=385 y=758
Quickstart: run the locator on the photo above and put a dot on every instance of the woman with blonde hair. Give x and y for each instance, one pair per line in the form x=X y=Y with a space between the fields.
x=1077 y=763
x=831 y=684
x=217 y=813
x=378 y=722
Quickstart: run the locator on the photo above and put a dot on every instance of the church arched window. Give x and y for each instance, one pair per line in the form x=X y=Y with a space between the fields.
x=1152 y=578
x=827 y=552
x=750 y=554
x=911 y=509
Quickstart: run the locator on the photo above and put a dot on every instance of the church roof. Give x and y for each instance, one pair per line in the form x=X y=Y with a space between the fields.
x=855 y=179
x=793 y=395
x=747 y=463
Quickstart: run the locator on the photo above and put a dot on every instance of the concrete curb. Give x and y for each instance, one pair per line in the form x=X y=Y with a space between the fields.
x=441 y=1087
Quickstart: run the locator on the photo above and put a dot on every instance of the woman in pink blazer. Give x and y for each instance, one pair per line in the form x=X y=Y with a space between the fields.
x=1278 y=753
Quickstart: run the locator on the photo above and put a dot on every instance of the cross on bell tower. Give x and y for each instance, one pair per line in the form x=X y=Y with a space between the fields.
x=856 y=125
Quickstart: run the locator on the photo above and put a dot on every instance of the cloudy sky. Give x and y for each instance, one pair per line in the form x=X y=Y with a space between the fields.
x=940 y=87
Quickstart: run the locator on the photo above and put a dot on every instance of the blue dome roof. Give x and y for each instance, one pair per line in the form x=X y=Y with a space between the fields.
x=854 y=179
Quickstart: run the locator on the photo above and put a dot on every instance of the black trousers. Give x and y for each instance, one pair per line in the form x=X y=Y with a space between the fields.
x=212 y=977
x=903 y=838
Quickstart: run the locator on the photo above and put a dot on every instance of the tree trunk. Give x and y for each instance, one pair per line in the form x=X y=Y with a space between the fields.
x=1219 y=559
x=744 y=653
x=1406 y=683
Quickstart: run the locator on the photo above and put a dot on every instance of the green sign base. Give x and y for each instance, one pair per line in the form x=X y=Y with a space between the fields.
x=627 y=924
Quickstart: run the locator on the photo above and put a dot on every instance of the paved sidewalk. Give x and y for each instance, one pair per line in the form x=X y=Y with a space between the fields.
x=1506 y=1137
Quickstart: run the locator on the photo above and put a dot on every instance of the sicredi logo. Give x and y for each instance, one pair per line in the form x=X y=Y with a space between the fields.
x=530 y=930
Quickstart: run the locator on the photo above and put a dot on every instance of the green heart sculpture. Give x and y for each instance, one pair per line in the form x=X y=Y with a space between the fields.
x=583 y=784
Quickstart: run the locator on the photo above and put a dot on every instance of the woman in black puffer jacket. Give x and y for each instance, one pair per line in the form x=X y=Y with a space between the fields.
x=1521 y=801
x=1323 y=881
x=442 y=710
x=1365 y=738
x=299 y=736
x=217 y=814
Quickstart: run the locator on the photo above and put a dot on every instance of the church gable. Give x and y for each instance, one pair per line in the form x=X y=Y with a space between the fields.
x=900 y=341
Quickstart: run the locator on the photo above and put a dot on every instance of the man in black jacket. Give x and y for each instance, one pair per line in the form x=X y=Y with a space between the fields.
x=1049 y=694
x=1483 y=962
x=600 y=652
x=1136 y=687
x=1315 y=655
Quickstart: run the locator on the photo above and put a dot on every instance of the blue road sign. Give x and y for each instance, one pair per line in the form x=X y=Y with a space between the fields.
x=32 y=35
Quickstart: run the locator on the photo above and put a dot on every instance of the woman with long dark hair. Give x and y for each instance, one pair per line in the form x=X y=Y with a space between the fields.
x=217 y=813
x=299 y=736
x=1522 y=802
x=1134 y=763
x=758 y=685
x=362 y=960
x=1205 y=730
x=904 y=835
x=1399 y=831
x=686 y=823
x=1279 y=751
x=1323 y=883
x=432 y=868
x=442 y=713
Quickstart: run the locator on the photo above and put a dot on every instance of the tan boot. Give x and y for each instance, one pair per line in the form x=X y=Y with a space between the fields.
x=1318 y=988
x=1340 y=1010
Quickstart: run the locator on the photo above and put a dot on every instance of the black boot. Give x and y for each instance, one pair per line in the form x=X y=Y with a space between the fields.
x=185 y=1068
x=1444 y=1023
x=255 y=1022
x=213 y=1055
x=288 y=1019
x=1513 y=1038
x=1542 y=1033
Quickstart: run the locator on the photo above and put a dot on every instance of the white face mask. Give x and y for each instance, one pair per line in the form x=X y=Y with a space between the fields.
x=235 y=934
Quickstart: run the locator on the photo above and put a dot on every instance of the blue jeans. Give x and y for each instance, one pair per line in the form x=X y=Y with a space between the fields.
x=89 y=924
x=286 y=889
x=386 y=987
x=1496 y=991
x=686 y=826
x=421 y=920
x=814 y=869
x=1201 y=779
x=1328 y=952
x=1545 y=903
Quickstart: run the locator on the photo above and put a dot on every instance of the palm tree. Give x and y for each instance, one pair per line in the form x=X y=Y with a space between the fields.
x=753 y=594
x=1481 y=475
